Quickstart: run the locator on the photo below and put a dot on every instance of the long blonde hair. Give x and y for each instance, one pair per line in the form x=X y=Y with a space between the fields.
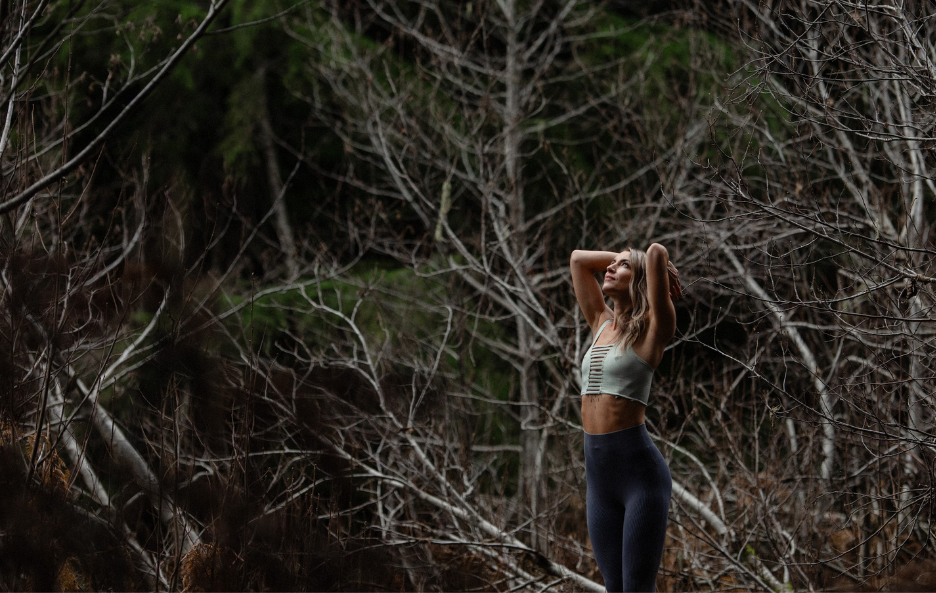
x=633 y=323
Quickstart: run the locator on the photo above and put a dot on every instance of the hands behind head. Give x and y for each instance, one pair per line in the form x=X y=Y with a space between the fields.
x=675 y=288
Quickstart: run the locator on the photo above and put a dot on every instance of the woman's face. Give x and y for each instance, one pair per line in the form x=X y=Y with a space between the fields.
x=618 y=275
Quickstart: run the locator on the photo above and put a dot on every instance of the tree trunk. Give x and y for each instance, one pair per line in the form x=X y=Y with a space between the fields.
x=277 y=192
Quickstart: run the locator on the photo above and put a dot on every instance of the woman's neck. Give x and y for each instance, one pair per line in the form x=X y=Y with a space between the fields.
x=622 y=308
x=621 y=305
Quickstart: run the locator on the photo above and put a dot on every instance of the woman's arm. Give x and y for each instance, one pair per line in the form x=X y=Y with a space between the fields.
x=662 y=287
x=584 y=266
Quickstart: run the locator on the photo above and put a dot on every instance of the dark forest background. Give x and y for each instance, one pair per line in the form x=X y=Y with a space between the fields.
x=285 y=302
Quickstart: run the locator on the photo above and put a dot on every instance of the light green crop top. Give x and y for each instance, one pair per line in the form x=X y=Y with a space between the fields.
x=607 y=369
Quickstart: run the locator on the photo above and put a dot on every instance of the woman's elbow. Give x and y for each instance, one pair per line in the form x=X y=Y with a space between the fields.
x=576 y=254
x=657 y=251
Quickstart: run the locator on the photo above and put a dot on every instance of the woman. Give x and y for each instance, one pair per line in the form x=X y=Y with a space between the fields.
x=629 y=483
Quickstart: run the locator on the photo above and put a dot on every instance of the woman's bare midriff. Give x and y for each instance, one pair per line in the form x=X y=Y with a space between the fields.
x=607 y=413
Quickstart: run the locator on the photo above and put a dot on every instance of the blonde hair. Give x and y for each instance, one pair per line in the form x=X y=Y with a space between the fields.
x=633 y=323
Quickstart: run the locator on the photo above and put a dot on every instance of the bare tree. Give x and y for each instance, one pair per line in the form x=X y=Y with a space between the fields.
x=488 y=116
x=65 y=349
x=408 y=392
x=818 y=214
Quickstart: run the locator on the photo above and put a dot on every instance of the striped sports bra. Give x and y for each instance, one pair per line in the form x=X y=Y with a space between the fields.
x=606 y=369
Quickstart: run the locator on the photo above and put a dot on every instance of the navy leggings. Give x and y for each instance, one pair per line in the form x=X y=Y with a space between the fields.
x=629 y=487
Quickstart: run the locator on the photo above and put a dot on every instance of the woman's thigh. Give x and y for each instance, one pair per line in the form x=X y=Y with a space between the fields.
x=606 y=518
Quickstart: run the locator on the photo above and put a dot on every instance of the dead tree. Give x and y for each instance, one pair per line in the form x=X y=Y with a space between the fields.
x=820 y=214
x=458 y=120
x=64 y=350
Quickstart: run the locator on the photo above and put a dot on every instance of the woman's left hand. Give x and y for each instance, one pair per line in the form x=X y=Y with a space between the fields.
x=675 y=288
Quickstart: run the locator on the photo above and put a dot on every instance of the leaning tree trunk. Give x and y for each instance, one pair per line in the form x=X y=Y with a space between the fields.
x=284 y=230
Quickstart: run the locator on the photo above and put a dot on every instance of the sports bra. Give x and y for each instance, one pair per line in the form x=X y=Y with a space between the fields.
x=607 y=369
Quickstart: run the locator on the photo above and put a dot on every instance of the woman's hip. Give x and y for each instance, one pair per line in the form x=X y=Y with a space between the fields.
x=625 y=457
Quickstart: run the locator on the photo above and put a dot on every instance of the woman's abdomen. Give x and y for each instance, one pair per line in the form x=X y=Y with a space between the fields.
x=607 y=413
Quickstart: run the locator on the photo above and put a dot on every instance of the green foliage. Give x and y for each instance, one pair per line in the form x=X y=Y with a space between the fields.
x=666 y=57
x=380 y=302
x=238 y=145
